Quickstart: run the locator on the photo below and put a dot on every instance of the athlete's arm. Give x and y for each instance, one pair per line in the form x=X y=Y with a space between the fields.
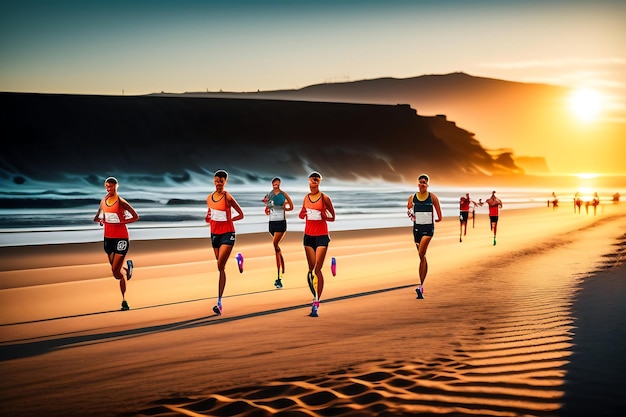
x=437 y=207
x=127 y=207
x=233 y=203
x=328 y=209
x=288 y=203
x=97 y=218
x=302 y=213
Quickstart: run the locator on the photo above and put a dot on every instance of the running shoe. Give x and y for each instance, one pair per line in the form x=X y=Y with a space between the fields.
x=125 y=306
x=129 y=270
x=314 y=308
x=420 y=294
x=217 y=309
x=239 y=258
x=278 y=284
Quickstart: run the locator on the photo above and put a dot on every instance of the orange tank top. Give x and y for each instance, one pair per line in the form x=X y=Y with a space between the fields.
x=220 y=215
x=113 y=217
x=315 y=225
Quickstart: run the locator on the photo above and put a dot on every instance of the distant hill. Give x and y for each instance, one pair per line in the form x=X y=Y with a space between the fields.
x=52 y=136
x=502 y=114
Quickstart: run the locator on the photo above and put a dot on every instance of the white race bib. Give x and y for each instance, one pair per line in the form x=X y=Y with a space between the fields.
x=218 y=215
x=111 y=218
x=277 y=214
x=313 y=214
x=423 y=218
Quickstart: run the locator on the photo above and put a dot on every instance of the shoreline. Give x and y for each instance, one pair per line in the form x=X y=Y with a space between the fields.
x=186 y=221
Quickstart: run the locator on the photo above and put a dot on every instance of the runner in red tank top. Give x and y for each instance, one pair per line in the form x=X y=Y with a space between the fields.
x=114 y=213
x=464 y=209
x=495 y=204
x=317 y=209
x=220 y=218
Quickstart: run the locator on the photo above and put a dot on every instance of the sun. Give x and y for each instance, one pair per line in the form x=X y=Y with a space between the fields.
x=586 y=104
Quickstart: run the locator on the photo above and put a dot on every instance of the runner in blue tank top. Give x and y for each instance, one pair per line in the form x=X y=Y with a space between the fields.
x=420 y=211
x=277 y=202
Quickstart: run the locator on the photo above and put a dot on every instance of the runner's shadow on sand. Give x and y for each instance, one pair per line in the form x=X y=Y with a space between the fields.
x=27 y=348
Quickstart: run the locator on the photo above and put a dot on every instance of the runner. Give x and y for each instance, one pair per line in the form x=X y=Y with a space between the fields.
x=420 y=210
x=277 y=202
x=219 y=217
x=495 y=204
x=464 y=207
x=114 y=213
x=317 y=209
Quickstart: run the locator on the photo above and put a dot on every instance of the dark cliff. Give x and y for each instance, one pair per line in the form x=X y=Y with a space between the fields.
x=47 y=136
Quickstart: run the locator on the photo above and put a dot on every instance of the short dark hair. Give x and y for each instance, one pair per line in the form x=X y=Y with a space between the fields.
x=220 y=173
x=315 y=174
x=276 y=179
x=111 y=180
x=423 y=177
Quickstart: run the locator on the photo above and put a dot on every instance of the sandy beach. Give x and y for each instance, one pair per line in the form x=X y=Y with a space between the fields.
x=531 y=326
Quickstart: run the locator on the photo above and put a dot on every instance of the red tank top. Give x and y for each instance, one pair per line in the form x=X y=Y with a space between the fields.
x=315 y=225
x=113 y=216
x=493 y=208
x=220 y=215
x=465 y=204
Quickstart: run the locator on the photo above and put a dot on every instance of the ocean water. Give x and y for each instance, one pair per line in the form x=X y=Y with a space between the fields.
x=169 y=207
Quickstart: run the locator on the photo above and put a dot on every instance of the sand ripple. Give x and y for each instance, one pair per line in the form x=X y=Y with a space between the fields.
x=512 y=368
x=512 y=365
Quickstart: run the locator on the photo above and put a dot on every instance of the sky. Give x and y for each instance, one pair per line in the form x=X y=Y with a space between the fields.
x=145 y=46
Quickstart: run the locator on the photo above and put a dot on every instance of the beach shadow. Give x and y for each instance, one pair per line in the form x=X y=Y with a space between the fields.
x=17 y=349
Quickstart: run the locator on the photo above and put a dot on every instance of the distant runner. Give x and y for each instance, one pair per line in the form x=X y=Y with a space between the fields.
x=495 y=204
x=464 y=207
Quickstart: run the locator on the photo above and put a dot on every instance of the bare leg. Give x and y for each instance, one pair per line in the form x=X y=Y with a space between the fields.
x=315 y=259
x=116 y=260
x=280 y=261
x=310 y=259
x=222 y=254
x=421 y=250
x=320 y=255
x=495 y=230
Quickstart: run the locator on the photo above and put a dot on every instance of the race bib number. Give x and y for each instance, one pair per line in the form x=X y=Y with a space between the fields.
x=423 y=217
x=313 y=214
x=277 y=214
x=111 y=218
x=218 y=215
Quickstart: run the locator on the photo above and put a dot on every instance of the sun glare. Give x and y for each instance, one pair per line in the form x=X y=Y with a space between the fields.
x=587 y=175
x=586 y=104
